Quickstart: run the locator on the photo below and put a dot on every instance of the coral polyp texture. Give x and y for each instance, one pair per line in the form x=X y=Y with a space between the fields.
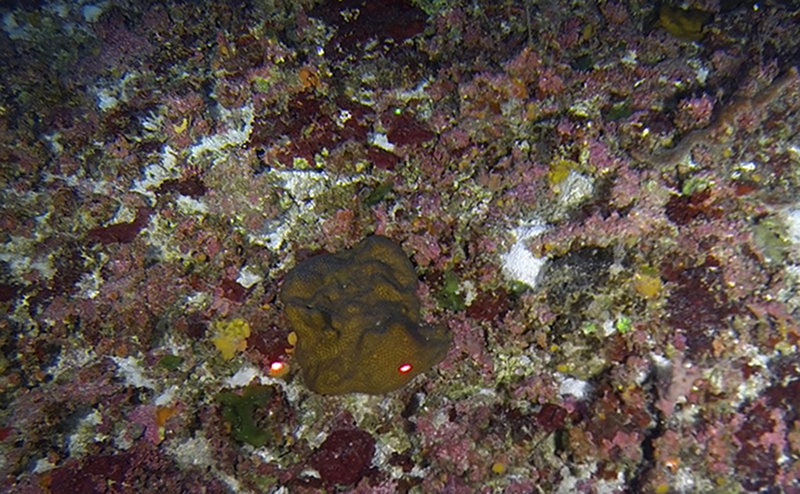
x=356 y=314
x=592 y=282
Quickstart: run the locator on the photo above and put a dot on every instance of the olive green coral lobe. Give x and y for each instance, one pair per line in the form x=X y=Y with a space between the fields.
x=356 y=315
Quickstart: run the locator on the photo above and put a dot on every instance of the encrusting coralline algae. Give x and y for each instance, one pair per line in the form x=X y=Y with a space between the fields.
x=595 y=205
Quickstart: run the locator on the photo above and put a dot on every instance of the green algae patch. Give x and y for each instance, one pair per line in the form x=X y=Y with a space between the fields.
x=378 y=193
x=449 y=295
x=170 y=362
x=238 y=410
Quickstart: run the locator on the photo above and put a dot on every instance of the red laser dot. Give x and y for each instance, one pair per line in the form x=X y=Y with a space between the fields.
x=404 y=368
x=276 y=367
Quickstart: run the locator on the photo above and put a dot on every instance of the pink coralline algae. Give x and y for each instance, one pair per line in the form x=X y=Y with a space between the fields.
x=165 y=166
x=694 y=112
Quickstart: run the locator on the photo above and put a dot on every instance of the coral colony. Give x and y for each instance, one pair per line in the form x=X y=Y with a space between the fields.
x=590 y=220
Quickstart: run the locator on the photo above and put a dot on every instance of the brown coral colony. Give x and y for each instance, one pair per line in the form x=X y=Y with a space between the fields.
x=356 y=314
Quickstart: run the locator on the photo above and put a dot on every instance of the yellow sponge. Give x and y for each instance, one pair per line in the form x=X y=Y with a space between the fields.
x=231 y=337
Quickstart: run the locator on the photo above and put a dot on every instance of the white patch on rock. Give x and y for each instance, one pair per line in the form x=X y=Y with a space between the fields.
x=189 y=205
x=134 y=376
x=380 y=140
x=792 y=219
x=248 y=277
x=574 y=387
x=156 y=173
x=243 y=377
x=166 y=397
x=575 y=189
x=519 y=264
x=84 y=434
x=194 y=452
x=240 y=122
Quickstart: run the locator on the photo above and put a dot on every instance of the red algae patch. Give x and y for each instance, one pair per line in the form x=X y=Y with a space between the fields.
x=344 y=457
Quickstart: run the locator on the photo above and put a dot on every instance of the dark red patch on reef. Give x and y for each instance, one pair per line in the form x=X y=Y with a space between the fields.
x=757 y=423
x=405 y=130
x=232 y=290
x=310 y=125
x=91 y=476
x=120 y=233
x=612 y=415
x=682 y=210
x=344 y=457
x=404 y=461
x=383 y=160
x=551 y=417
x=376 y=19
x=270 y=343
x=489 y=306
x=5 y=432
x=756 y=467
x=785 y=392
x=143 y=468
x=192 y=325
x=8 y=292
x=506 y=421
x=192 y=186
x=698 y=306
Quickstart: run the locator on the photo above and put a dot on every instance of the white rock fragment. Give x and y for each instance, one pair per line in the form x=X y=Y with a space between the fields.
x=42 y=465
x=167 y=397
x=518 y=263
x=12 y=28
x=575 y=189
x=240 y=124
x=156 y=173
x=130 y=369
x=247 y=277
x=792 y=220
x=242 y=377
x=106 y=100
x=84 y=434
x=89 y=284
x=194 y=451
x=190 y=205
x=381 y=141
x=574 y=387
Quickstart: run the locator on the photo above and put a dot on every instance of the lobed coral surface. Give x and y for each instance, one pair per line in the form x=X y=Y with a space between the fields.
x=356 y=314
